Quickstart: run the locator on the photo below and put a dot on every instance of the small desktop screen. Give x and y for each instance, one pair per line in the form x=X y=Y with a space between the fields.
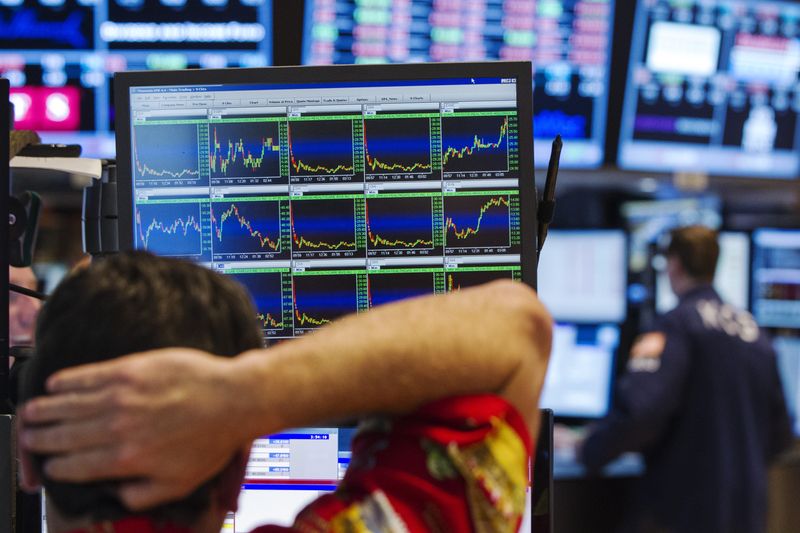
x=60 y=55
x=787 y=349
x=776 y=278
x=580 y=374
x=731 y=280
x=648 y=221
x=583 y=275
x=568 y=42
x=714 y=86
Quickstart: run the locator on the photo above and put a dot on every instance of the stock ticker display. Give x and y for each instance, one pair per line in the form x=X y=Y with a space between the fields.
x=568 y=41
x=714 y=86
x=60 y=55
x=329 y=200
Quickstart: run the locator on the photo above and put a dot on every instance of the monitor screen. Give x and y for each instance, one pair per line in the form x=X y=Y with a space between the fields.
x=714 y=86
x=787 y=348
x=731 y=281
x=648 y=221
x=568 y=41
x=583 y=275
x=330 y=190
x=580 y=374
x=60 y=55
x=776 y=278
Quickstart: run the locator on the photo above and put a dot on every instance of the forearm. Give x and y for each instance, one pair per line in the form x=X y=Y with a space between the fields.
x=491 y=339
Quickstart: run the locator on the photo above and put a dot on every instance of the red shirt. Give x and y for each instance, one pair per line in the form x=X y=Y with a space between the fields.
x=458 y=464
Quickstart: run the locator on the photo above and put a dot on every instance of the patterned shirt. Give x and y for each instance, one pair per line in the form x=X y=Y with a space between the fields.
x=455 y=465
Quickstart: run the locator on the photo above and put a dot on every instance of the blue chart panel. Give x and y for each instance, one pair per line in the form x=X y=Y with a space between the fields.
x=397 y=146
x=321 y=148
x=461 y=280
x=474 y=144
x=399 y=223
x=166 y=153
x=323 y=225
x=477 y=221
x=249 y=149
x=387 y=288
x=241 y=227
x=169 y=229
x=266 y=291
x=319 y=300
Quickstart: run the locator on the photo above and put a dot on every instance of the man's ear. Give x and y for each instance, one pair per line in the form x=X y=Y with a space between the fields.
x=230 y=479
x=29 y=479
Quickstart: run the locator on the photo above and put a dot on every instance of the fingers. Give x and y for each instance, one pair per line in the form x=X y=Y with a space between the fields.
x=65 y=407
x=89 y=377
x=68 y=437
x=90 y=465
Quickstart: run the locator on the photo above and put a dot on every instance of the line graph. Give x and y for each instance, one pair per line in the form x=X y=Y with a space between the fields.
x=477 y=221
x=321 y=148
x=266 y=289
x=475 y=143
x=399 y=223
x=247 y=227
x=388 y=288
x=166 y=153
x=462 y=279
x=249 y=149
x=397 y=146
x=319 y=300
x=323 y=225
x=170 y=229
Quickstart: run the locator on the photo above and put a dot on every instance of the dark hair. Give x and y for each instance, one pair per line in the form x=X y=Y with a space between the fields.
x=697 y=250
x=128 y=303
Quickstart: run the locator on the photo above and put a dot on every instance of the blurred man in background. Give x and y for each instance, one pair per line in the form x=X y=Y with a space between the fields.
x=702 y=400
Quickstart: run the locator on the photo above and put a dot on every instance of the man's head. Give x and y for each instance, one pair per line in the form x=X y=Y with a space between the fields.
x=691 y=257
x=130 y=303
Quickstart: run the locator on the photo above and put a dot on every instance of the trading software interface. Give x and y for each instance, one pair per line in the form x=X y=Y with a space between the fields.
x=60 y=54
x=714 y=86
x=776 y=278
x=325 y=200
x=579 y=376
x=568 y=41
x=586 y=275
x=731 y=280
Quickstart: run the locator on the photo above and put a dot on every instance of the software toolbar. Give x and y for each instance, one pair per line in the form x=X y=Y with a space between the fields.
x=325 y=201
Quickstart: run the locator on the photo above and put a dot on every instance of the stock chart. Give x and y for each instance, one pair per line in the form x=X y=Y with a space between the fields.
x=339 y=200
x=568 y=42
x=60 y=56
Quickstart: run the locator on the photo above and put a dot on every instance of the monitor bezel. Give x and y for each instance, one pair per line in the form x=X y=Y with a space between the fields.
x=5 y=184
x=124 y=81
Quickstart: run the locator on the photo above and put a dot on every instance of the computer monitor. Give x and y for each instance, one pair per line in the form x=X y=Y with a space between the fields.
x=648 y=221
x=579 y=377
x=732 y=278
x=568 y=41
x=330 y=190
x=787 y=348
x=60 y=55
x=713 y=87
x=586 y=275
x=776 y=277
x=5 y=176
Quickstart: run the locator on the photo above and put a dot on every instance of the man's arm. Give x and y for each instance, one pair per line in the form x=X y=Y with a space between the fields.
x=173 y=419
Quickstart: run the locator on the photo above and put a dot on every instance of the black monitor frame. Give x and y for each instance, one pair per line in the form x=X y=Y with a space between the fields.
x=124 y=81
x=5 y=188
